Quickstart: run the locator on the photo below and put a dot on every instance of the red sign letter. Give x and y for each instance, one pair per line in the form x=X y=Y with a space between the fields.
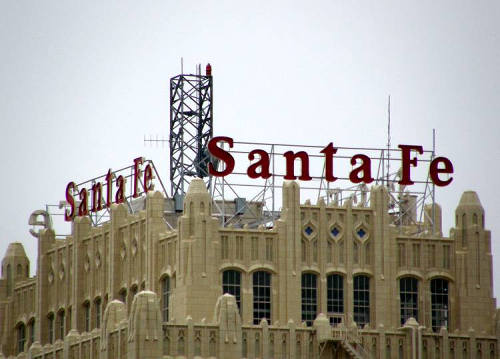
x=329 y=151
x=96 y=197
x=406 y=162
x=263 y=163
x=82 y=209
x=109 y=188
x=365 y=167
x=137 y=172
x=148 y=176
x=435 y=171
x=68 y=216
x=219 y=153
x=120 y=193
x=290 y=165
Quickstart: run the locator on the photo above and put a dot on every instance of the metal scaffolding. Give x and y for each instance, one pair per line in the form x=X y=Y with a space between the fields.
x=191 y=127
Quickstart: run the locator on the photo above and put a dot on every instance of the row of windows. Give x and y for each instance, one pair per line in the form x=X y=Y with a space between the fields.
x=231 y=283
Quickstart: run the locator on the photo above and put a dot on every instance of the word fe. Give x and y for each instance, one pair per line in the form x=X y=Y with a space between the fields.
x=359 y=174
x=96 y=191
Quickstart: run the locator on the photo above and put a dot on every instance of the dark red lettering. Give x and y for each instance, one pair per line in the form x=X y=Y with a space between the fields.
x=406 y=162
x=96 y=197
x=148 y=176
x=120 y=193
x=329 y=151
x=222 y=155
x=68 y=215
x=83 y=209
x=263 y=163
x=290 y=165
x=365 y=168
x=435 y=171
x=137 y=173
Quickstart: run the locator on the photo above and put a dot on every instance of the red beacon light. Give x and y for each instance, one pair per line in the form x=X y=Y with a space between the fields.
x=208 y=70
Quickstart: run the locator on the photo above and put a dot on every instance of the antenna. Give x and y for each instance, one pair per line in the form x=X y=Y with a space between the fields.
x=388 y=140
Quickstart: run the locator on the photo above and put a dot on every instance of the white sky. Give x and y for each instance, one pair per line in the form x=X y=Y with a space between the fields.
x=82 y=83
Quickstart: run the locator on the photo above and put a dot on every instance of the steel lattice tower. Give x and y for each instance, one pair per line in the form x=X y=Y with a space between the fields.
x=191 y=127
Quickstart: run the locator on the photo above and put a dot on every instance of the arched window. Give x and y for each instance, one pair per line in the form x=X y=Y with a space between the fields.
x=86 y=314
x=408 y=293
x=361 y=300
x=231 y=284
x=309 y=297
x=97 y=305
x=165 y=297
x=31 y=328
x=60 y=324
x=439 y=303
x=261 y=297
x=335 y=298
x=50 y=318
x=21 y=337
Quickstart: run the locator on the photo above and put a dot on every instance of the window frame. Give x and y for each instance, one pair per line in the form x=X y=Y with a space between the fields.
x=262 y=296
x=408 y=298
x=309 y=297
x=361 y=300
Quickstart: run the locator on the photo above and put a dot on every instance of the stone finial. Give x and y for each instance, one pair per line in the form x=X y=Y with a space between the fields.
x=114 y=314
x=323 y=328
x=227 y=316
x=145 y=331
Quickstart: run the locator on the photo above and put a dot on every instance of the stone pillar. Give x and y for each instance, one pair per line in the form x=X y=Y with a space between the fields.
x=144 y=327
x=227 y=316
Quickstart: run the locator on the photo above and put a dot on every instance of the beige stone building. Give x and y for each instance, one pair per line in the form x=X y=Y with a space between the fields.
x=325 y=281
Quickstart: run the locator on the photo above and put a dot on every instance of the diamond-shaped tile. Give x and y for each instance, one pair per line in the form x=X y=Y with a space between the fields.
x=335 y=232
x=361 y=233
x=309 y=230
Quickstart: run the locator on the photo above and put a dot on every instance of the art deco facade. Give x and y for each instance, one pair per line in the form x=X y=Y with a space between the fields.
x=325 y=281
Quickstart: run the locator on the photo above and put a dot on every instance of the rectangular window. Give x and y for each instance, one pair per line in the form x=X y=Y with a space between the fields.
x=224 y=247
x=401 y=254
x=239 y=247
x=269 y=249
x=255 y=248
x=439 y=304
x=408 y=292
x=446 y=256
x=261 y=297
x=51 y=328
x=335 y=298
x=361 y=300
x=231 y=284
x=86 y=310
x=98 y=313
x=309 y=298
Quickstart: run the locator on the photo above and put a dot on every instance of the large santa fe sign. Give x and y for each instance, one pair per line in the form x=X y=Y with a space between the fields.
x=360 y=174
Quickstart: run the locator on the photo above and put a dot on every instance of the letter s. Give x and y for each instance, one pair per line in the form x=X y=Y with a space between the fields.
x=219 y=153
x=71 y=201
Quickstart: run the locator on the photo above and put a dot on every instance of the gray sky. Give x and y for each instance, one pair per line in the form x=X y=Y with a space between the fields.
x=82 y=82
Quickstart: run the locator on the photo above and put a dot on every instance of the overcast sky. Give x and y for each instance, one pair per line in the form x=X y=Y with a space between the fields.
x=81 y=83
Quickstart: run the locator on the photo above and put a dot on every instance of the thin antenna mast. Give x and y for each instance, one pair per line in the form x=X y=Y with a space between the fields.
x=388 y=140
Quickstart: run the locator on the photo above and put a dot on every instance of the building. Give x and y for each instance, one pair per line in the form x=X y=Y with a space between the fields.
x=325 y=281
